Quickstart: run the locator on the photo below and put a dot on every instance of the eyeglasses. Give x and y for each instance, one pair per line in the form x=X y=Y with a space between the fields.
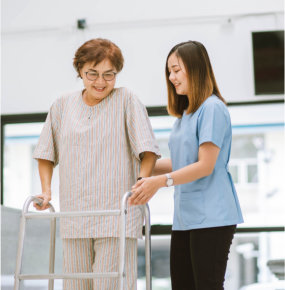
x=92 y=76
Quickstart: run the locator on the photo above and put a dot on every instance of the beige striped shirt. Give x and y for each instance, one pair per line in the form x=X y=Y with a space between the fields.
x=97 y=149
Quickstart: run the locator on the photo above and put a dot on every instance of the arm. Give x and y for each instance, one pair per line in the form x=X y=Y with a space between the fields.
x=45 y=171
x=162 y=166
x=146 y=188
x=147 y=164
x=207 y=157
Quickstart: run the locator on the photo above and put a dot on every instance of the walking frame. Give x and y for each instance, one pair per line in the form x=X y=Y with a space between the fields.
x=52 y=215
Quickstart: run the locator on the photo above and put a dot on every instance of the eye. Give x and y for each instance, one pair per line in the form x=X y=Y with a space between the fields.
x=109 y=76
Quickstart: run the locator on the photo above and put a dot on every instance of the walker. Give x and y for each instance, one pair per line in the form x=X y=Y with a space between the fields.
x=52 y=215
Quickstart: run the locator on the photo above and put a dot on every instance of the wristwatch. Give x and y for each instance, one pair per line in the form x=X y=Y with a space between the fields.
x=169 y=181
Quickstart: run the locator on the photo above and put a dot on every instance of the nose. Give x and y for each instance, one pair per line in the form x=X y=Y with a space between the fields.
x=100 y=80
x=171 y=77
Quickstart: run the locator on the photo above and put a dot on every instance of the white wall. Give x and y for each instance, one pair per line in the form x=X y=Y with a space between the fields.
x=39 y=39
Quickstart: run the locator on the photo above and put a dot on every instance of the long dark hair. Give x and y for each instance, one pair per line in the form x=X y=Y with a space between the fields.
x=202 y=82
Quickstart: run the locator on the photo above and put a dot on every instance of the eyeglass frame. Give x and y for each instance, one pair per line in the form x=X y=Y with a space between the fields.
x=86 y=73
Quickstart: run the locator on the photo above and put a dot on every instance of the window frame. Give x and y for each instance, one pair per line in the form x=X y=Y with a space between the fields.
x=40 y=117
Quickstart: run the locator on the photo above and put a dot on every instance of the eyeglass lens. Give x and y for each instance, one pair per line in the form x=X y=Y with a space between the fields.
x=92 y=76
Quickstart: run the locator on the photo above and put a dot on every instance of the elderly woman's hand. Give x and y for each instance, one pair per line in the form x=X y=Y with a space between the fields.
x=46 y=198
x=145 y=189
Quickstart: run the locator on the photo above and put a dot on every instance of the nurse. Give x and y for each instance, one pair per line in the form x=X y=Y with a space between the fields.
x=206 y=206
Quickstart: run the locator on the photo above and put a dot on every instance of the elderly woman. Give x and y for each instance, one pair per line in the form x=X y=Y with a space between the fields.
x=102 y=140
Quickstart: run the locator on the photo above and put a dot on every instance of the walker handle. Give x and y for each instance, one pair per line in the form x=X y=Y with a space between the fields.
x=39 y=201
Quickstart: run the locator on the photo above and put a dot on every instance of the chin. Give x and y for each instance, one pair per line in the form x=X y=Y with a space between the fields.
x=179 y=92
x=100 y=97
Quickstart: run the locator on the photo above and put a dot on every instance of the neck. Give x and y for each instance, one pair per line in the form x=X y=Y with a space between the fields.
x=90 y=101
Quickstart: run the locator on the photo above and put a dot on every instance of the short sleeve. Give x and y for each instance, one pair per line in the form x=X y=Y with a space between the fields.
x=139 y=129
x=48 y=144
x=212 y=123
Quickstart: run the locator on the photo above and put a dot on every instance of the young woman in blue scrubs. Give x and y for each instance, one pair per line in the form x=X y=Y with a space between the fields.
x=206 y=206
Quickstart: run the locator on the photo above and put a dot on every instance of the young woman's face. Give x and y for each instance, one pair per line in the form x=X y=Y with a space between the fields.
x=178 y=75
x=98 y=80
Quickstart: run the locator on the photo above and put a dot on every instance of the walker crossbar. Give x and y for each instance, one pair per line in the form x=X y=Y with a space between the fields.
x=69 y=276
x=72 y=214
x=52 y=216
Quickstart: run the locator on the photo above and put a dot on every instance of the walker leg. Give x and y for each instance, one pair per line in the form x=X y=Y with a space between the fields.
x=52 y=252
x=20 y=252
x=147 y=249
x=122 y=240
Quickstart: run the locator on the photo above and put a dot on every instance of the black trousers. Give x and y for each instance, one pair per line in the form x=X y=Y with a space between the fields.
x=198 y=258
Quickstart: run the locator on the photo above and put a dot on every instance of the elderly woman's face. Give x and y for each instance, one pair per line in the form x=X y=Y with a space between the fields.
x=98 y=80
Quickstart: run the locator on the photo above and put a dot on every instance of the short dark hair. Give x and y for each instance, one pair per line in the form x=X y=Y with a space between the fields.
x=95 y=51
x=202 y=82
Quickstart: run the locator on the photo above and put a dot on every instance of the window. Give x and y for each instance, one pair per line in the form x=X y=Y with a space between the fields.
x=20 y=173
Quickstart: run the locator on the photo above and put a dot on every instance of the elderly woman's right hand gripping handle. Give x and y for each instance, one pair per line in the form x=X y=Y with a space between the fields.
x=45 y=171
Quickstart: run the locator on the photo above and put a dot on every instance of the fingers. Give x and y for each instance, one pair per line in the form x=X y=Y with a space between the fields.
x=132 y=198
x=143 y=191
x=138 y=199
x=141 y=199
x=136 y=192
x=139 y=196
x=138 y=183
x=44 y=204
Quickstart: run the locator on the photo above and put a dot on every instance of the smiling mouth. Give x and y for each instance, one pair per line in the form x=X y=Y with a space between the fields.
x=100 y=90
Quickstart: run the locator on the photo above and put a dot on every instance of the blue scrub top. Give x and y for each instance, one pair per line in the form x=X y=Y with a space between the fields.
x=210 y=201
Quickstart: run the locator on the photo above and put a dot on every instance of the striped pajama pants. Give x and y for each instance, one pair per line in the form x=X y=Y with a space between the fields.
x=98 y=255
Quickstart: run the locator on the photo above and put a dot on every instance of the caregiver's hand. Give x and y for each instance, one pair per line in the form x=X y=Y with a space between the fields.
x=145 y=189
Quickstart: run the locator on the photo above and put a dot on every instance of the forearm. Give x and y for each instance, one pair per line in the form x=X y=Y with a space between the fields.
x=207 y=157
x=147 y=164
x=162 y=166
x=144 y=189
x=184 y=175
x=45 y=171
x=190 y=173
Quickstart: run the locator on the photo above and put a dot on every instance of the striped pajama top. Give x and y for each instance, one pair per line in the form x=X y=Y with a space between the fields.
x=98 y=152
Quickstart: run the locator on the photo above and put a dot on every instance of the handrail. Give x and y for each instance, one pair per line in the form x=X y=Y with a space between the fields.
x=159 y=230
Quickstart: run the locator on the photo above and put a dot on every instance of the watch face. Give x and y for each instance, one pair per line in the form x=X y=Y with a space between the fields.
x=169 y=182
